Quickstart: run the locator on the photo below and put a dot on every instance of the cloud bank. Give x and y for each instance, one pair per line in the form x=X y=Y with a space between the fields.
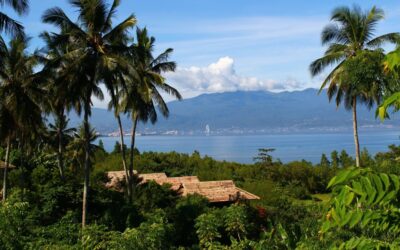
x=222 y=77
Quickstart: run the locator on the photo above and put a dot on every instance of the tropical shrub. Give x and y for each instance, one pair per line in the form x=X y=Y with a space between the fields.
x=365 y=203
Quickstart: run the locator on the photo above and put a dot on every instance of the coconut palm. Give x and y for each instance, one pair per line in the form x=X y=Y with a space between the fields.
x=97 y=49
x=350 y=32
x=9 y=25
x=61 y=97
x=142 y=93
x=59 y=136
x=77 y=147
x=20 y=96
x=114 y=83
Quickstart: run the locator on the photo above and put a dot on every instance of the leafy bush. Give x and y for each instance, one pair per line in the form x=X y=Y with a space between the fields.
x=365 y=203
x=15 y=225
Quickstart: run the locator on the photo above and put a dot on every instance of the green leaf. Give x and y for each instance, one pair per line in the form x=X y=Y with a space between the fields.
x=378 y=184
x=340 y=178
x=393 y=59
x=385 y=180
x=357 y=188
x=389 y=196
x=325 y=227
x=349 y=198
x=335 y=216
x=355 y=219
x=371 y=192
x=395 y=181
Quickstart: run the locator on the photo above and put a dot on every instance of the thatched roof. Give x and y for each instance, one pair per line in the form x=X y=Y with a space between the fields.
x=214 y=191
x=116 y=177
x=218 y=191
x=152 y=176
x=177 y=182
x=3 y=165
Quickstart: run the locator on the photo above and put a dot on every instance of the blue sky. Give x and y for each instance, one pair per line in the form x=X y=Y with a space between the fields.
x=228 y=45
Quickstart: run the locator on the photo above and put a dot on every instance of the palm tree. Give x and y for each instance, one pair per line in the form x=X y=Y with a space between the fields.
x=20 y=96
x=114 y=84
x=61 y=97
x=7 y=127
x=63 y=135
x=142 y=96
x=97 y=49
x=77 y=147
x=351 y=32
x=9 y=25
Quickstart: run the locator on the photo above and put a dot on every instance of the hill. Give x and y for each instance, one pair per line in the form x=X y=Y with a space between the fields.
x=250 y=112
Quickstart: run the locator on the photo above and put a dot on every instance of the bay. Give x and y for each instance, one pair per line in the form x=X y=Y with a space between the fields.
x=242 y=148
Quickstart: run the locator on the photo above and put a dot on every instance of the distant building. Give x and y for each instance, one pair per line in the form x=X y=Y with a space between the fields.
x=207 y=130
x=215 y=191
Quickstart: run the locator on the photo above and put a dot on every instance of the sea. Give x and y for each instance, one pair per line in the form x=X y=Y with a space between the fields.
x=242 y=148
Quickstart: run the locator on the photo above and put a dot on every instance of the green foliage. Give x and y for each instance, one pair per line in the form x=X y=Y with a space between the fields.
x=64 y=233
x=335 y=159
x=184 y=216
x=101 y=144
x=152 y=234
x=99 y=237
x=324 y=161
x=236 y=221
x=150 y=196
x=264 y=156
x=208 y=228
x=345 y=160
x=364 y=201
x=15 y=225
x=365 y=72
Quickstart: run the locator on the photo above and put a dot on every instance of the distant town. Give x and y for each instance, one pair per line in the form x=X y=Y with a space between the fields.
x=244 y=131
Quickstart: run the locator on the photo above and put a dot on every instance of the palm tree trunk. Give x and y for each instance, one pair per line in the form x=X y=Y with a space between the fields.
x=122 y=145
x=133 y=136
x=355 y=130
x=121 y=138
x=60 y=148
x=7 y=161
x=87 y=165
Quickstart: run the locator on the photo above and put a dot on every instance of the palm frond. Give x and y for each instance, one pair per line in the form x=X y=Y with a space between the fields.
x=19 y=6
x=10 y=26
x=57 y=17
x=330 y=59
x=380 y=40
x=121 y=29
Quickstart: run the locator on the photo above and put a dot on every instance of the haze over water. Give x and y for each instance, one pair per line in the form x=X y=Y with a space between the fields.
x=242 y=148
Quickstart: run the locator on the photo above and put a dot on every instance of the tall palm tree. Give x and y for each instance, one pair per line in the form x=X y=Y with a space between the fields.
x=59 y=136
x=142 y=93
x=98 y=46
x=62 y=95
x=9 y=25
x=77 y=147
x=114 y=84
x=350 y=32
x=20 y=95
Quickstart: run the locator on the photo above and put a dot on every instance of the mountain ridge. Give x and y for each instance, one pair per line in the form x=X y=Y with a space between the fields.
x=248 y=112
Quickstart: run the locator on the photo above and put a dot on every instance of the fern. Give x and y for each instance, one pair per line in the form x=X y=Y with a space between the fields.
x=368 y=202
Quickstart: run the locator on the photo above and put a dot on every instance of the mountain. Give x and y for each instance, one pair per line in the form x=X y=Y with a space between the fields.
x=250 y=111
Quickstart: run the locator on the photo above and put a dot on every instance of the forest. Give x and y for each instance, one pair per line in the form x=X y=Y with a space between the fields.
x=54 y=193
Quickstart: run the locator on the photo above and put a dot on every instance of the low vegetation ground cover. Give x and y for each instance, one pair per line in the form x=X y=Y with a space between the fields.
x=43 y=211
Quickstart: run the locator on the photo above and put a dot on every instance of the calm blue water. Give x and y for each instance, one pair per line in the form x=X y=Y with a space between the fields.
x=242 y=148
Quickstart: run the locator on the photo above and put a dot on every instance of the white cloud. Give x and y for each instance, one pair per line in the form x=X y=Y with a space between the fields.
x=222 y=77
x=217 y=77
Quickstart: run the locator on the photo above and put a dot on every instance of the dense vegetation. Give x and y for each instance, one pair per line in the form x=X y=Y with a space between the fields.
x=43 y=211
x=53 y=187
